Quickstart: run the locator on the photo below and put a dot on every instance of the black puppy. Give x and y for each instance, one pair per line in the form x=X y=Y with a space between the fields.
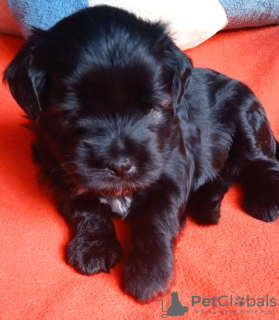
x=125 y=125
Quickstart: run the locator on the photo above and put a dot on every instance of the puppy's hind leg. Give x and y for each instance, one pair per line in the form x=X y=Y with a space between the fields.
x=204 y=204
x=261 y=182
x=259 y=173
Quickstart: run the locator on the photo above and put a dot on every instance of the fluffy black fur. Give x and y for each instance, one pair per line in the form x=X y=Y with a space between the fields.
x=125 y=125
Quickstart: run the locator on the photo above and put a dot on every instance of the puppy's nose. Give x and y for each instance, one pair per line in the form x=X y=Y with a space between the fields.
x=120 y=166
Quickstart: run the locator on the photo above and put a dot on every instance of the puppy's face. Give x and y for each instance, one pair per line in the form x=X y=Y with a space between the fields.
x=101 y=99
x=111 y=127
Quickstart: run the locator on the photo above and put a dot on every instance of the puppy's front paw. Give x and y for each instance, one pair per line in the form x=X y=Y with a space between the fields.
x=90 y=254
x=205 y=210
x=147 y=274
x=261 y=200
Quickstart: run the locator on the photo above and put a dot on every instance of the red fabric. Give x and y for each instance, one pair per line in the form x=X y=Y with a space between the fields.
x=239 y=256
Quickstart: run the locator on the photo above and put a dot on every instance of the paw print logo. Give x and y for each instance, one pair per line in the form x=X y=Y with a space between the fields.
x=239 y=301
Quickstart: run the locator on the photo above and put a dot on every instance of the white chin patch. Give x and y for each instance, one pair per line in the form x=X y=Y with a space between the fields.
x=120 y=205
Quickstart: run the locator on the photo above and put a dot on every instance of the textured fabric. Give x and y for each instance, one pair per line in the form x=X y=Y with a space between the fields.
x=191 y=22
x=41 y=13
x=237 y=257
x=251 y=13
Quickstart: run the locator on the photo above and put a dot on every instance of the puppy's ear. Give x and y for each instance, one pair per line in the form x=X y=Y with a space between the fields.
x=26 y=75
x=179 y=68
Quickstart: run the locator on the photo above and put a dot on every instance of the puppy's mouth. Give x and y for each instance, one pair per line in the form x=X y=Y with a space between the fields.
x=101 y=184
x=109 y=192
x=118 y=186
x=118 y=192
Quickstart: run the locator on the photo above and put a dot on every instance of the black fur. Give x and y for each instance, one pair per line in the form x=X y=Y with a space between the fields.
x=125 y=125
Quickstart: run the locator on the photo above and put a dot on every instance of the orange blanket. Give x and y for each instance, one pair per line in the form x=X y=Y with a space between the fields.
x=238 y=258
